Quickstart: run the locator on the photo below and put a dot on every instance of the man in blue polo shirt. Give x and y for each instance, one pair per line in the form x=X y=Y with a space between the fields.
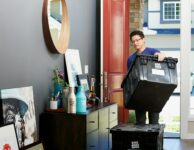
x=138 y=40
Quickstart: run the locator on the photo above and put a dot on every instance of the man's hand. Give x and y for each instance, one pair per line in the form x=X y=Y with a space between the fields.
x=160 y=56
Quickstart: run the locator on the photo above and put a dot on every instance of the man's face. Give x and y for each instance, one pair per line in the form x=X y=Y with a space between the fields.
x=138 y=43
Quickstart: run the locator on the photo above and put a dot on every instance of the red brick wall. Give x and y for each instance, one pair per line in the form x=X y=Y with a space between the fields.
x=136 y=15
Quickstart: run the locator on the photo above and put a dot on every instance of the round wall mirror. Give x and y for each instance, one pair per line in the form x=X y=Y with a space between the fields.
x=56 y=26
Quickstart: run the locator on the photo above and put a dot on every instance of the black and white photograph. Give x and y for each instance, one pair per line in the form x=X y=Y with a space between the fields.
x=18 y=108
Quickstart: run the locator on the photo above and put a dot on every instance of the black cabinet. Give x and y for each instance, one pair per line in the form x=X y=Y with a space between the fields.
x=89 y=131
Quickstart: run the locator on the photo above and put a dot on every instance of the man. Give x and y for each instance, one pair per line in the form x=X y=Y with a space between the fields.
x=138 y=40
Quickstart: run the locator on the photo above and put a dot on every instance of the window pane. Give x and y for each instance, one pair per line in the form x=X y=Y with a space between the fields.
x=171 y=11
x=177 y=11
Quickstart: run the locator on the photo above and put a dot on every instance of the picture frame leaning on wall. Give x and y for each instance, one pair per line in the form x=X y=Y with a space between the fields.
x=73 y=66
x=8 y=137
x=17 y=106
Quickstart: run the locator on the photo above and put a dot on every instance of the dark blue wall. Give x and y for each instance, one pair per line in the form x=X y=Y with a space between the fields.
x=24 y=57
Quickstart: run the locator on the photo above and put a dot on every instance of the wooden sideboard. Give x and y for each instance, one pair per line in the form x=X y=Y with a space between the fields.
x=89 y=131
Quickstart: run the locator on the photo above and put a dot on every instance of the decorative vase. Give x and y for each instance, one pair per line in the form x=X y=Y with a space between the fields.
x=65 y=98
x=71 y=101
x=57 y=88
x=80 y=100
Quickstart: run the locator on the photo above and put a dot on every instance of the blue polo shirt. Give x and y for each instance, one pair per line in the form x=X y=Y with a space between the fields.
x=148 y=51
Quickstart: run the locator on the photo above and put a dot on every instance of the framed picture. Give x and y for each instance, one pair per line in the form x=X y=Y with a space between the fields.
x=73 y=65
x=35 y=146
x=84 y=81
x=18 y=108
x=8 y=137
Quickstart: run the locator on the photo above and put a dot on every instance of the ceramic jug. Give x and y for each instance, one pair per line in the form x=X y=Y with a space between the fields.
x=71 y=101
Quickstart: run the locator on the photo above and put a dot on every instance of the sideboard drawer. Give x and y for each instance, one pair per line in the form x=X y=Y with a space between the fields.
x=92 y=121
x=92 y=141
x=113 y=113
x=112 y=124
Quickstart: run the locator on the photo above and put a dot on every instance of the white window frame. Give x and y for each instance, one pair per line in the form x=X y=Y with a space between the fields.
x=175 y=16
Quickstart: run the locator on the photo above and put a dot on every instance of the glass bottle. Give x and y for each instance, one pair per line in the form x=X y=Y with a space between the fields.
x=92 y=94
x=71 y=101
x=80 y=100
x=65 y=98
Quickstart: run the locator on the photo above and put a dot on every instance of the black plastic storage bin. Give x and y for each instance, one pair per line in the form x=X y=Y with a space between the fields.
x=149 y=83
x=137 y=137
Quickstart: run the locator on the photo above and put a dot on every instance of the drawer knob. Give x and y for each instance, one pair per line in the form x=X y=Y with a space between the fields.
x=91 y=121
x=92 y=146
x=113 y=113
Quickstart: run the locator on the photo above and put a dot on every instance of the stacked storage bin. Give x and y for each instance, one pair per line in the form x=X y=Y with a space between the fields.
x=137 y=137
x=147 y=87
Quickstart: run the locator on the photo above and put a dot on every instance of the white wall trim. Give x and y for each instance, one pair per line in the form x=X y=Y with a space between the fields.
x=191 y=118
x=188 y=136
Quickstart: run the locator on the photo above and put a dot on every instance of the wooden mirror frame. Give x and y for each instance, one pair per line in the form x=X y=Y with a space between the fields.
x=62 y=44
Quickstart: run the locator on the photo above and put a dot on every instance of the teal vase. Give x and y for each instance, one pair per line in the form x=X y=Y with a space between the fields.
x=57 y=88
x=80 y=100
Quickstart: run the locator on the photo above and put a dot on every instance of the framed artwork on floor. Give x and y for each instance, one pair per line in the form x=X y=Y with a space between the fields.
x=34 y=146
x=73 y=65
x=18 y=108
x=8 y=137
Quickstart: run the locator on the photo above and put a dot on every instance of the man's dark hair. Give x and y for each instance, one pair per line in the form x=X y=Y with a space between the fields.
x=136 y=32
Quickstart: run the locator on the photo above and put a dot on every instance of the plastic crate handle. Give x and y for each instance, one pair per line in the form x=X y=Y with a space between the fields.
x=171 y=62
x=143 y=60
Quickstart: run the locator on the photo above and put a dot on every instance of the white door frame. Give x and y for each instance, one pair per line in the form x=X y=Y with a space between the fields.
x=185 y=46
x=101 y=49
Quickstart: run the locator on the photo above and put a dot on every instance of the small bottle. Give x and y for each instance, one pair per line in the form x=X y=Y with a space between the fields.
x=80 y=100
x=92 y=94
x=71 y=101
